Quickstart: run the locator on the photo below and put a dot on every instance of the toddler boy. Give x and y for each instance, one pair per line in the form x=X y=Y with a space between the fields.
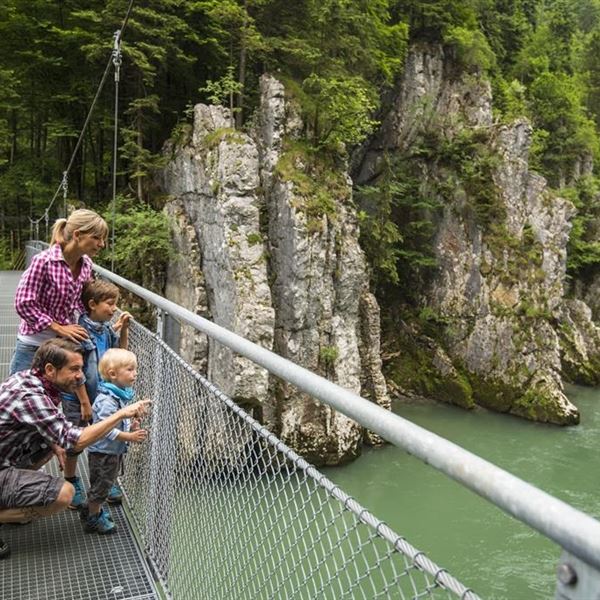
x=118 y=369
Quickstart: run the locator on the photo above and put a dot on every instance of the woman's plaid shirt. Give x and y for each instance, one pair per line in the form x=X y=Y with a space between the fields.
x=48 y=292
x=30 y=418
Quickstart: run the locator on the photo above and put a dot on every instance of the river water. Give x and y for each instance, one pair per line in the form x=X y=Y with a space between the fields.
x=494 y=554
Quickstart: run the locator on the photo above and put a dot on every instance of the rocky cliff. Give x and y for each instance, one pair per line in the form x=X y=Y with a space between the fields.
x=267 y=236
x=503 y=335
x=268 y=247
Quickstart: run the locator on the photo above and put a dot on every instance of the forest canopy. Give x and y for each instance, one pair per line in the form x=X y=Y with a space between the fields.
x=338 y=57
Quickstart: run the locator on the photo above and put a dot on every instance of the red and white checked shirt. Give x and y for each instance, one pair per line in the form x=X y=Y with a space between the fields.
x=30 y=417
x=47 y=291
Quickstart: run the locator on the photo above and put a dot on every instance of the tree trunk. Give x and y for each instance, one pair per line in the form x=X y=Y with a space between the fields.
x=14 y=145
x=140 y=143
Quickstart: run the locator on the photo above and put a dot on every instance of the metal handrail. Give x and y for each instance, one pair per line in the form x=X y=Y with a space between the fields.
x=573 y=530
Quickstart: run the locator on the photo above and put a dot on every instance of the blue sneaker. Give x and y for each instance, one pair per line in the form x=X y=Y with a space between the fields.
x=115 y=496
x=79 y=497
x=84 y=513
x=100 y=523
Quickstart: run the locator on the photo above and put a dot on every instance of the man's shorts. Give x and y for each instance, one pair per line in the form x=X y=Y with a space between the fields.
x=72 y=412
x=22 y=487
x=104 y=469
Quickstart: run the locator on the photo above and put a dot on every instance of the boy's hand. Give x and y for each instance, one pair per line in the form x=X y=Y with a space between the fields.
x=138 y=436
x=123 y=321
x=135 y=425
x=86 y=411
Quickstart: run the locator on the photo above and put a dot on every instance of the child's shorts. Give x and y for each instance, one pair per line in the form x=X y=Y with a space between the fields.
x=104 y=469
x=72 y=412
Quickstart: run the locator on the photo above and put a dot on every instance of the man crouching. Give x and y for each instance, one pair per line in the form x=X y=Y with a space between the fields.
x=33 y=429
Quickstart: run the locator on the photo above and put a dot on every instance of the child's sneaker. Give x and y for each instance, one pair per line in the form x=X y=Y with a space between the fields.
x=100 y=523
x=115 y=496
x=84 y=513
x=79 y=497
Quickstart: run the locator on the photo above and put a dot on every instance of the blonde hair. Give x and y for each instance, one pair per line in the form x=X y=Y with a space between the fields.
x=83 y=220
x=115 y=358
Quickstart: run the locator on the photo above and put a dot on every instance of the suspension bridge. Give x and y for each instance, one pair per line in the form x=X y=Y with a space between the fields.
x=217 y=507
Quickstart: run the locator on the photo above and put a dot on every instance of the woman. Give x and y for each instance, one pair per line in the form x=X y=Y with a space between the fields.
x=47 y=300
x=49 y=292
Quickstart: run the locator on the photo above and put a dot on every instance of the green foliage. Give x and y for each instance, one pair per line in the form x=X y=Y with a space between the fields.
x=143 y=246
x=7 y=256
x=339 y=110
x=254 y=238
x=222 y=89
x=328 y=355
x=342 y=53
x=470 y=47
x=318 y=182
x=228 y=134
x=510 y=98
x=468 y=154
x=397 y=225
x=583 y=251
x=556 y=103
x=432 y=19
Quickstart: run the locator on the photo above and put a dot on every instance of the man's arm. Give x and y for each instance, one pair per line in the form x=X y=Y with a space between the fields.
x=94 y=432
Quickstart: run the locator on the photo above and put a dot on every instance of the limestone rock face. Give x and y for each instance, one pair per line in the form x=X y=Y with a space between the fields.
x=186 y=285
x=580 y=343
x=320 y=285
x=277 y=261
x=499 y=285
x=214 y=184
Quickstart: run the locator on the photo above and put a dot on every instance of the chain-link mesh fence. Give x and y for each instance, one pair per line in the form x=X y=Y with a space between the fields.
x=225 y=510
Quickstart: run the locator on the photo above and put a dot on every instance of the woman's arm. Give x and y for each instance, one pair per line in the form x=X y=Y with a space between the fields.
x=30 y=287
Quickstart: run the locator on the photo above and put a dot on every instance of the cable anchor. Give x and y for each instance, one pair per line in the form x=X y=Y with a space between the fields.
x=65 y=187
x=117 y=57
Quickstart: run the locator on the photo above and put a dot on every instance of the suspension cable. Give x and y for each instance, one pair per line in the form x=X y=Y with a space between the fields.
x=111 y=62
x=65 y=186
x=117 y=59
x=78 y=144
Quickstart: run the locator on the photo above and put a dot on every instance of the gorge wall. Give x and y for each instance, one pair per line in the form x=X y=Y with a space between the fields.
x=274 y=257
x=504 y=334
x=268 y=246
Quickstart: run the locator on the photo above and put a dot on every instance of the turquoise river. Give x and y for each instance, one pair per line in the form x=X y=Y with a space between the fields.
x=497 y=556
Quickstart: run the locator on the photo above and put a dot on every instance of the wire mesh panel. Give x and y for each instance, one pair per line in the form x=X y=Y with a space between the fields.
x=9 y=320
x=226 y=510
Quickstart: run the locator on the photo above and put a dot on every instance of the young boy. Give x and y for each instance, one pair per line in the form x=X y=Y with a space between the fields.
x=99 y=298
x=118 y=369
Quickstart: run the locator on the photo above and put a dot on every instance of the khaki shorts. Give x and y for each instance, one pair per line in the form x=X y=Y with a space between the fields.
x=23 y=487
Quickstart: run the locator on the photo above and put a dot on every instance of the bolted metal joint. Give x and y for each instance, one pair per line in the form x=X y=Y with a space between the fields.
x=566 y=574
x=576 y=579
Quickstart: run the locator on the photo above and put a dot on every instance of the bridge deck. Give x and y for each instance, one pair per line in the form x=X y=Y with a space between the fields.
x=53 y=559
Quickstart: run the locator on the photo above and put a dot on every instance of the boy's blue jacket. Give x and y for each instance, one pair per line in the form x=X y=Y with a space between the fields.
x=107 y=403
x=102 y=337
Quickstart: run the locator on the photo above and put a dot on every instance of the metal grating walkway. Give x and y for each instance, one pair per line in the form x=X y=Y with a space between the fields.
x=53 y=559
x=9 y=320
